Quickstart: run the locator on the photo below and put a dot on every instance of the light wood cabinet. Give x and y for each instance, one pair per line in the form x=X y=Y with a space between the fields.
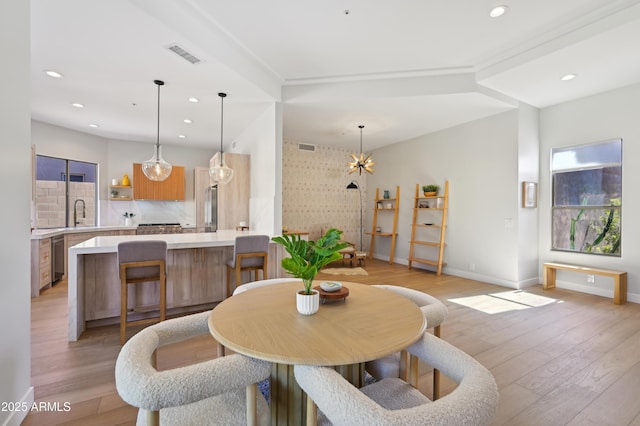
x=170 y=189
x=196 y=276
x=41 y=256
x=388 y=225
x=233 y=198
x=40 y=265
x=195 y=281
x=72 y=239
x=428 y=229
x=102 y=287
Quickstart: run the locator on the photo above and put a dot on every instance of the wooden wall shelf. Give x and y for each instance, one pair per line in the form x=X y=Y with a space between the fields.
x=429 y=212
x=380 y=205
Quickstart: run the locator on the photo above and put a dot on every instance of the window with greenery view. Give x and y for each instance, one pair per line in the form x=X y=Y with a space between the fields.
x=587 y=198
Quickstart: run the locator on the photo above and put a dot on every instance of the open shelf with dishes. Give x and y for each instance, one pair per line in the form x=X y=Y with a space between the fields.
x=385 y=207
x=428 y=228
x=120 y=192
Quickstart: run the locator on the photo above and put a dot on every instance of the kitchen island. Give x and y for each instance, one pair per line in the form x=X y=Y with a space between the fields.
x=196 y=270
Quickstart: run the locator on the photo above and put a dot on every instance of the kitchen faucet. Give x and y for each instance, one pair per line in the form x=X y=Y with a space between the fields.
x=75 y=211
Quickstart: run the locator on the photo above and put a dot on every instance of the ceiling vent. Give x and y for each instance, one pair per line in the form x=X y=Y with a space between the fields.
x=306 y=147
x=183 y=54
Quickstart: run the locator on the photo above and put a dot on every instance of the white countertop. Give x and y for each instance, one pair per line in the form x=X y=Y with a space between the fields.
x=38 y=234
x=109 y=244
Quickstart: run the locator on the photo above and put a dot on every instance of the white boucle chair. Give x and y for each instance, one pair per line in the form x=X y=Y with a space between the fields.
x=261 y=283
x=394 y=402
x=435 y=312
x=214 y=392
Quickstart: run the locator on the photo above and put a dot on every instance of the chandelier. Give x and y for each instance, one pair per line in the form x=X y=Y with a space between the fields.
x=219 y=172
x=156 y=168
x=362 y=162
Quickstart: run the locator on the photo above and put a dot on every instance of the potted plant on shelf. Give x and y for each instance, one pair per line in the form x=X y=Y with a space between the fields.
x=430 y=190
x=307 y=258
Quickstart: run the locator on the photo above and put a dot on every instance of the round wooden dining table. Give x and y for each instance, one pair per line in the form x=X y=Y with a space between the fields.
x=264 y=323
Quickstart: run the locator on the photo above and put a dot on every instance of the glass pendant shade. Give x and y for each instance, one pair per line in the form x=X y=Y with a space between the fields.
x=220 y=172
x=156 y=168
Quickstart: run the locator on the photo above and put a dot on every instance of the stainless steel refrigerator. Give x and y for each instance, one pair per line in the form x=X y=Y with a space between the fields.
x=211 y=209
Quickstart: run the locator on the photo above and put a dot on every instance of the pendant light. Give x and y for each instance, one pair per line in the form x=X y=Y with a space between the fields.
x=362 y=162
x=156 y=168
x=219 y=172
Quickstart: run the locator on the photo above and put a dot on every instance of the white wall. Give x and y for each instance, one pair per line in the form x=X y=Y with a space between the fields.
x=529 y=171
x=15 y=172
x=114 y=159
x=480 y=160
x=262 y=140
x=601 y=117
x=120 y=159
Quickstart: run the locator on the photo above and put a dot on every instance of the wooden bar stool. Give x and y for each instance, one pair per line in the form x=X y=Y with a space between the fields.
x=139 y=262
x=250 y=253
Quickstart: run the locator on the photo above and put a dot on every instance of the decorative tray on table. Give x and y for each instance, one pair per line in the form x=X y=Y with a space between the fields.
x=331 y=290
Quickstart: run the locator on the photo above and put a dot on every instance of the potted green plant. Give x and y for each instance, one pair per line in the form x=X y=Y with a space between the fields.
x=430 y=190
x=307 y=258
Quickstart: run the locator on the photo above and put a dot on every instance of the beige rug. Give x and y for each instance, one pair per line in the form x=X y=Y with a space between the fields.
x=344 y=271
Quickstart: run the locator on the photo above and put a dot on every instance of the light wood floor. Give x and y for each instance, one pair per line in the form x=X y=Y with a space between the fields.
x=575 y=361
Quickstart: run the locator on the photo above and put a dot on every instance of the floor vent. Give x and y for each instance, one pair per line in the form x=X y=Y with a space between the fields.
x=306 y=147
x=183 y=54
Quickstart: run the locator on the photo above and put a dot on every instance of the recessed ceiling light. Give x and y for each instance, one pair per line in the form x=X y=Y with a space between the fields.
x=194 y=100
x=498 y=11
x=568 y=77
x=77 y=105
x=186 y=120
x=182 y=136
x=53 y=74
x=93 y=125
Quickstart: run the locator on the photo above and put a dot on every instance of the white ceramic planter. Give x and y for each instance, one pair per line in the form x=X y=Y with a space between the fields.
x=308 y=304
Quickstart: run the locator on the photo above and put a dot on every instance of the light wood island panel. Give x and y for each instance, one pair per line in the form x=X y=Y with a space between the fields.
x=196 y=272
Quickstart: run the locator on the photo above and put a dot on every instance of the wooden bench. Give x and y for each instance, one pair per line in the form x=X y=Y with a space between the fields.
x=619 y=278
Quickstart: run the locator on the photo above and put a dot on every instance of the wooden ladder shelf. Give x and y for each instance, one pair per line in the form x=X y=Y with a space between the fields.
x=429 y=217
x=385 y=206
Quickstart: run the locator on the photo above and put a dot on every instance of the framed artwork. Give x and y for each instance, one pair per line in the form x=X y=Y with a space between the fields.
x=529 y=194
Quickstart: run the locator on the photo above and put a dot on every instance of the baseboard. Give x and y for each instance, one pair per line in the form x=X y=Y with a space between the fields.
x=596 y=291
x=517 y=285
x=17 y=416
